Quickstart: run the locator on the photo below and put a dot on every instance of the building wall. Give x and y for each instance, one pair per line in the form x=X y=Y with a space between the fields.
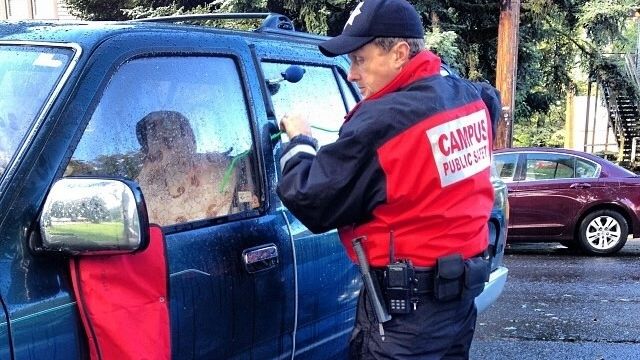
x=34 y=9
x=598 y=138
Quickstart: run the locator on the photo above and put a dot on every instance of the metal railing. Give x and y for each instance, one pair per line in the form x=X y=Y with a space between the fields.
x=271 y=20
x=631 y=66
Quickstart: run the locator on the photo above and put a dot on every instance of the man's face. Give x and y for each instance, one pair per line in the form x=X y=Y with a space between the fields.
x=372 y=68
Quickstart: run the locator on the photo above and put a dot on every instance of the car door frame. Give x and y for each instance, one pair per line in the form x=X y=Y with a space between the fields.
x=5 y=334
x=54 y=145
x=554 y=187
x=35 y=289
x=324 y=319
x=189 y=278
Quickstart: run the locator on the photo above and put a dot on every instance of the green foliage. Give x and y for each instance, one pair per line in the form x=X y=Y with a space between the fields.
x=475 y=23
x=557 y=36
x=114 y=9
x=541 y=128
x=630 y=35
x=611 y=71
x=603 y=19
x=554 y=37
x=142 y=12
x=233 y=6
x=444 y=43
x=98 y=10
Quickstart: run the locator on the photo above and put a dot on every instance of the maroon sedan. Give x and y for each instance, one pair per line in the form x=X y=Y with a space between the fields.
x=575 y=198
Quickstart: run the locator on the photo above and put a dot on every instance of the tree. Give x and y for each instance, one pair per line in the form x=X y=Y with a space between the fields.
x=113 y=9
x=57 y=209
x=556 y=36
x=95 y=209
x=560 y=36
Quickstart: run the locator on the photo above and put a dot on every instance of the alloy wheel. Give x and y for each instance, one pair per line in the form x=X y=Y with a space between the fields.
x=603 y=232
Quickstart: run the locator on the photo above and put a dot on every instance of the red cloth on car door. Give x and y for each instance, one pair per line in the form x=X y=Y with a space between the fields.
x=122 y=300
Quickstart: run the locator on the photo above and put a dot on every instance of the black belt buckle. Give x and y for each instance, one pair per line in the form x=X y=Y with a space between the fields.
x=423 y=282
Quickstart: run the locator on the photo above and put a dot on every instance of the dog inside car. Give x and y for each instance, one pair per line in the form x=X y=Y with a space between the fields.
x=179 y=184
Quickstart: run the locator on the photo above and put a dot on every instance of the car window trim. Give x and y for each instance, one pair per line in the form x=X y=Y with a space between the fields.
x=266 y=98
x=323 y=65
x=265 y=52
x=515 y=168
x=340 y=74
x=523 y=155
x=258 y=164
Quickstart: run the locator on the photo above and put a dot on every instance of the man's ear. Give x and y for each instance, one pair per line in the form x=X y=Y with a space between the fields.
x=401 y=52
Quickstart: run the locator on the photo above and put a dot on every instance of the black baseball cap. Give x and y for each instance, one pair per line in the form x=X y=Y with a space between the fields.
x=372 y=19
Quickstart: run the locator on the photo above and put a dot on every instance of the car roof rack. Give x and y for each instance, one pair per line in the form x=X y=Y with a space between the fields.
x=271 y=20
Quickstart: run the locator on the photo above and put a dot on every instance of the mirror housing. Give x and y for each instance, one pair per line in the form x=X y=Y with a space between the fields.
x=292 y=74
x=92 y=216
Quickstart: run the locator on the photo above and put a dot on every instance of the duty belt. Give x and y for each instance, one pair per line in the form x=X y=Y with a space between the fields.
x=424 y=277
x=423 y=283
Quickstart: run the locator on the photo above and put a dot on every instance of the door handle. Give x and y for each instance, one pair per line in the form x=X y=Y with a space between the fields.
x=260 y=258
x=580 y=186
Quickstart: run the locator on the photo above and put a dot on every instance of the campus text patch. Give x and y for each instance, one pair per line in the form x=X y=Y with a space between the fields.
x=461 y=147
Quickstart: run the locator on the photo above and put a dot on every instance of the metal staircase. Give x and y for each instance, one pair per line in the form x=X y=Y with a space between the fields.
x=624 y=114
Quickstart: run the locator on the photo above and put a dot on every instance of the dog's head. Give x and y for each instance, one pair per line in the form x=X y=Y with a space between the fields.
x=165 y=132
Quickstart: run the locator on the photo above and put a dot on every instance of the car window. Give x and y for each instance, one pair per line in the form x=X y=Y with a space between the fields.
x=505 y=165
x=586 y=169
x=546 y=166
x=316 y=95
x=178 y=126
x=28 y=76
x=348 y=93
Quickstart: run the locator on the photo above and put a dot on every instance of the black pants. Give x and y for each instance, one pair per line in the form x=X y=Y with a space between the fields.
x=434 y=331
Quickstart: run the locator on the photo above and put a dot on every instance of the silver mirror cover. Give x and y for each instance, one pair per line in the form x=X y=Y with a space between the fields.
x=91 y=216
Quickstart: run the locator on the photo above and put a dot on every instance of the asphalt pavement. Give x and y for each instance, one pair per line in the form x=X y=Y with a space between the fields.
x=561 y=305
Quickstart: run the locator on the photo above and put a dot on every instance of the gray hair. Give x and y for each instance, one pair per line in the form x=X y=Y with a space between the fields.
x=386 y=43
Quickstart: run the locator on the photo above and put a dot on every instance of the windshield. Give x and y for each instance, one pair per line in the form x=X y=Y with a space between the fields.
x=28 y=76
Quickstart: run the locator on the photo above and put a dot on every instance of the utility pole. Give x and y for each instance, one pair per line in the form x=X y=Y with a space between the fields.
x=507 y=68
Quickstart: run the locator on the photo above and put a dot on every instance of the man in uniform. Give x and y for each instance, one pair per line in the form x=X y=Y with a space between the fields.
x=410 y=176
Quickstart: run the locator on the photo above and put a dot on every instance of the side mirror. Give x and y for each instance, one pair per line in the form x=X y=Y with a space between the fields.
x=292 y=74
x=87 y=216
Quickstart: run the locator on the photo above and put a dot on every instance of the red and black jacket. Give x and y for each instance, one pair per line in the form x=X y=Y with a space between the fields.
x=413 y=158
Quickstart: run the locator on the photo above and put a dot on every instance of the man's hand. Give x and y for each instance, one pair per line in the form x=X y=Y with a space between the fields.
x=295 y=124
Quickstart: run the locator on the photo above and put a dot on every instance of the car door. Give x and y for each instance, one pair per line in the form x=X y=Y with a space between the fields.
x=35 y=289
x=548 y=194
x=327 y=281
x=181 y=121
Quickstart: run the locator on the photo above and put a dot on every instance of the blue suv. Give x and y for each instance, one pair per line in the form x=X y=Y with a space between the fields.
x=96 y=117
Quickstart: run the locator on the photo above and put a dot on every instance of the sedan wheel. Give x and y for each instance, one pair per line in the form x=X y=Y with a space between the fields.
x=603 y=232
